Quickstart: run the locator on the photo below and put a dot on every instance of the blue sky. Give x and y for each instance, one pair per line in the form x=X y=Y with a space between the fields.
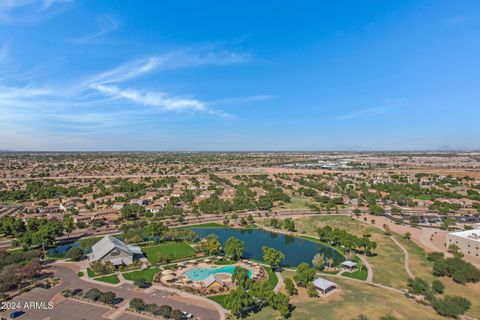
x=239 y=75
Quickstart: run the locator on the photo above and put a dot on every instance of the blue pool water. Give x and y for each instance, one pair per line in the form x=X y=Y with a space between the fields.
x=198 y=274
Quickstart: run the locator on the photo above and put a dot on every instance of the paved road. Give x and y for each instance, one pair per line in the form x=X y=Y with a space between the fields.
x=73 y=310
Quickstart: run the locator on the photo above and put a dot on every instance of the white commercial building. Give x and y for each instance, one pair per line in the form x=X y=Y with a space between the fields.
x=468 y=241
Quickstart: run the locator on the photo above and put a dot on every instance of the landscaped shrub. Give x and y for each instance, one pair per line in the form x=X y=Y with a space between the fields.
x=451 y=306
x=456 y=268
x=418 y=286
x=93 y=294
x=137 y=304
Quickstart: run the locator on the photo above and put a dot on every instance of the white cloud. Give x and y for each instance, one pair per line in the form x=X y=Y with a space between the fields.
x=25 y=10
x=240 y=100
x=372 y=112
x=171 y=60
x=107 y=25
x=126 y=72
x=154 y=99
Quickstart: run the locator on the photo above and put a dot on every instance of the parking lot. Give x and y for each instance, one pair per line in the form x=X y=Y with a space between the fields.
x=67 y=309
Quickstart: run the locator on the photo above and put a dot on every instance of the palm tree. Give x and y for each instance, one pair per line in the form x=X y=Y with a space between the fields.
x=330 y=262
x=318 y=260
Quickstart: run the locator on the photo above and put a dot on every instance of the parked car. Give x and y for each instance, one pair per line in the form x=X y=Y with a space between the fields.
x=44 y=286
x=187 y=315
x=16 y=314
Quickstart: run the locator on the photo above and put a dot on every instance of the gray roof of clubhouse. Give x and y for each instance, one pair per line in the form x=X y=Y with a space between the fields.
x=107 y=244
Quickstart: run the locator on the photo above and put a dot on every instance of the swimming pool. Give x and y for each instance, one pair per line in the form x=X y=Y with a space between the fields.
x=199 y=274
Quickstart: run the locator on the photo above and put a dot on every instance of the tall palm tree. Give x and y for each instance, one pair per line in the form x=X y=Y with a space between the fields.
x=330 y=262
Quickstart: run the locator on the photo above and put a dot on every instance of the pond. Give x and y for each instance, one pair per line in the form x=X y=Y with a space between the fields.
x=296 y=250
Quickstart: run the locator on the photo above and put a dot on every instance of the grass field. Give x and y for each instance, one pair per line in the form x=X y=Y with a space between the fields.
x=109 y=279
x=146 y=274
x=272 y=278
x=206 y=225
x=298 y=202
x=350 y=301
x=174 y=250
x=219 y=299
x=421 y=267
x=387 y=264
x=359 y=274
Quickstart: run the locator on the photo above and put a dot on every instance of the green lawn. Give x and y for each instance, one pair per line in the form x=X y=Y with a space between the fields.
x=387 y=263
x=221 y=300
x=361 y=274
x=174 y=250
x=272 y=278
x=109 y=279
x=206 y=225
x=90 y=273
x=146 y=274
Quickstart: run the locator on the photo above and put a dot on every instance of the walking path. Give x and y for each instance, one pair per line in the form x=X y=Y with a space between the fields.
x=369 y=268
x=279 y=283
x=407 y=257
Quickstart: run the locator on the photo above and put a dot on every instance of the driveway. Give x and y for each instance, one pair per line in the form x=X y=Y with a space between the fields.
x=73 y=310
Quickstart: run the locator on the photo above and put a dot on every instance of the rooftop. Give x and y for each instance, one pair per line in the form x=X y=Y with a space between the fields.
x=473 y=234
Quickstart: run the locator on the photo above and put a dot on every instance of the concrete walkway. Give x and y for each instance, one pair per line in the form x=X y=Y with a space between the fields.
x=407 y=257
x=279 y=283
x=369 y=268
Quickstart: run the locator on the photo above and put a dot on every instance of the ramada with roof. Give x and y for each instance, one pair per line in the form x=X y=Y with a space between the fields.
x=114 y=250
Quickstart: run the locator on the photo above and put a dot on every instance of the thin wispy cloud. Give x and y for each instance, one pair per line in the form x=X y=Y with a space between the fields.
x=241 y=100
x=151 y=98
x=12 y=11
x=107 y=24
x=372 y=112
x=172 y=60
x=97 y=100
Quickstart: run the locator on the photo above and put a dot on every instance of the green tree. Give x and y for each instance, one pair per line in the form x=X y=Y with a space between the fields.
x=455 y=250
x=137 y=304
x=93 y=294
x=438 y=286
x=311 y=290
x=289 y=225
x=210 y=245
x=155 y=229
x=318 y=260
x=418 y=285
x=238 y=301
x=234 y=248
x=451 y=306
x=141 y=283
x=74 y=254
x=290 y=287
x=240 y=277
x=68 y=224
x=273 y=257
x=303 y=275
x=108 y=298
